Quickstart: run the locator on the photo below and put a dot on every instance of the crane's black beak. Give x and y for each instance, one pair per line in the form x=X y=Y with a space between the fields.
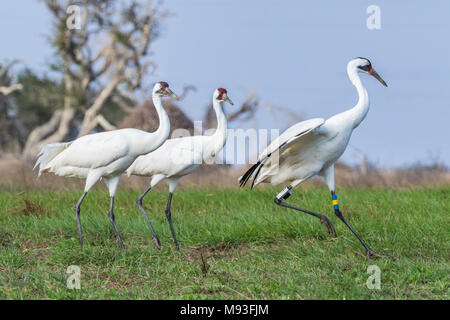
x=373 y=73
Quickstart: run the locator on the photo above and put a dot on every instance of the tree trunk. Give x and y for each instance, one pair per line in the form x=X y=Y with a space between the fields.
x=91 y=119
x=59 y=124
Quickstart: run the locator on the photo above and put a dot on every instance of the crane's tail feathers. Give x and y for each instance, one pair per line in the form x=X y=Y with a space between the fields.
x=48 y=153
x=248 y=174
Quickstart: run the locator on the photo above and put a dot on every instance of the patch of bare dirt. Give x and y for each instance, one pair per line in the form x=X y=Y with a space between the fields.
x=200 y=255
x=29 y=208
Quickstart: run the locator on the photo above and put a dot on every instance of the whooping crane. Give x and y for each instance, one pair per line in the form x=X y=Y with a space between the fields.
x=311 y=148
x=105 y=155
x=179 y=157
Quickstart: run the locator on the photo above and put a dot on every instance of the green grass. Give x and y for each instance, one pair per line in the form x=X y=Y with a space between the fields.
x=251 y=248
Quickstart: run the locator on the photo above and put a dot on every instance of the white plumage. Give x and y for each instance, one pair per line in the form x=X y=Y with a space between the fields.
x=105 y=155
x=311 y=148
x=288 y=143
x=179 y=157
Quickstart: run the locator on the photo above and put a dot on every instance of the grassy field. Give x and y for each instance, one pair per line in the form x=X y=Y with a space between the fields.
x=234 y=244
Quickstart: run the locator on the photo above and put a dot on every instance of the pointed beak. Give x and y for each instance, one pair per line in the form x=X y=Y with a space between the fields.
x=229 y=100
x=172 y=94
x=373 y=73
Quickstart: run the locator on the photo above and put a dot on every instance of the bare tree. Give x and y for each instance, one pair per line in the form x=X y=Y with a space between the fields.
x=106 y=57
x=6 y=88
x=12 y=131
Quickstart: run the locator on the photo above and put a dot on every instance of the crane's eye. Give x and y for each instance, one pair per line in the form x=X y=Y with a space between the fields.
x=365 y=68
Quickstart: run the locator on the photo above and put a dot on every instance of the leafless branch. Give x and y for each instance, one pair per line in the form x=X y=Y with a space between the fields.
x=10 y=89
x=247 y=109
x=105 y=123
x=122 y=105
x=5 y=69
x=186 y=90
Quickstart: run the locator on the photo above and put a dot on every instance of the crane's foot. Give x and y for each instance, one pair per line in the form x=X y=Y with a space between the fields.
x=328 y=225
x=119 y=237
x=122 y=245
x=157 y=242
x=372 y=254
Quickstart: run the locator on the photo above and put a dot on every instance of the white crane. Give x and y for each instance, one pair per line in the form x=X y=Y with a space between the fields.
x=105 y=155
x=179 y=157
x=311 y=148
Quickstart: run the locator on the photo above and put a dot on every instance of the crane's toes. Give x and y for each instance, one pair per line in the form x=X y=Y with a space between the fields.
x=157 y=242
x=372 y=254
x=328 y=225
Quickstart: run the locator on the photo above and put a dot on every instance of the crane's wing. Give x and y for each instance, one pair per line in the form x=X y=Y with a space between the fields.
x=177 y=156
x=285 y=141
x=93 y=151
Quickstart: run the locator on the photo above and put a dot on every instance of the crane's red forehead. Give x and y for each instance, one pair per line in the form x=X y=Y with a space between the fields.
x=163 y=84
x=222 y=90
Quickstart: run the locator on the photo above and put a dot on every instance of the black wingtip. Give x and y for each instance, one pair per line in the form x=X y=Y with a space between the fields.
x=247 y=175
x=256 y=176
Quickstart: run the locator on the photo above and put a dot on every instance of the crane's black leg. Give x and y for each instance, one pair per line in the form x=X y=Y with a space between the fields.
x=139 y=203
x=338 y=213
x=77 y=213
x=286 y=193
x=113 y=221
x=169 y=218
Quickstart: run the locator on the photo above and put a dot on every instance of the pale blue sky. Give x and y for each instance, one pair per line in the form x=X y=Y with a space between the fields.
x=294 y=54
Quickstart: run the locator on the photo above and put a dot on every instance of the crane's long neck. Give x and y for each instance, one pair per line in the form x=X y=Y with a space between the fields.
x=157 y=138
x=359 y=111
x=219 y=137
